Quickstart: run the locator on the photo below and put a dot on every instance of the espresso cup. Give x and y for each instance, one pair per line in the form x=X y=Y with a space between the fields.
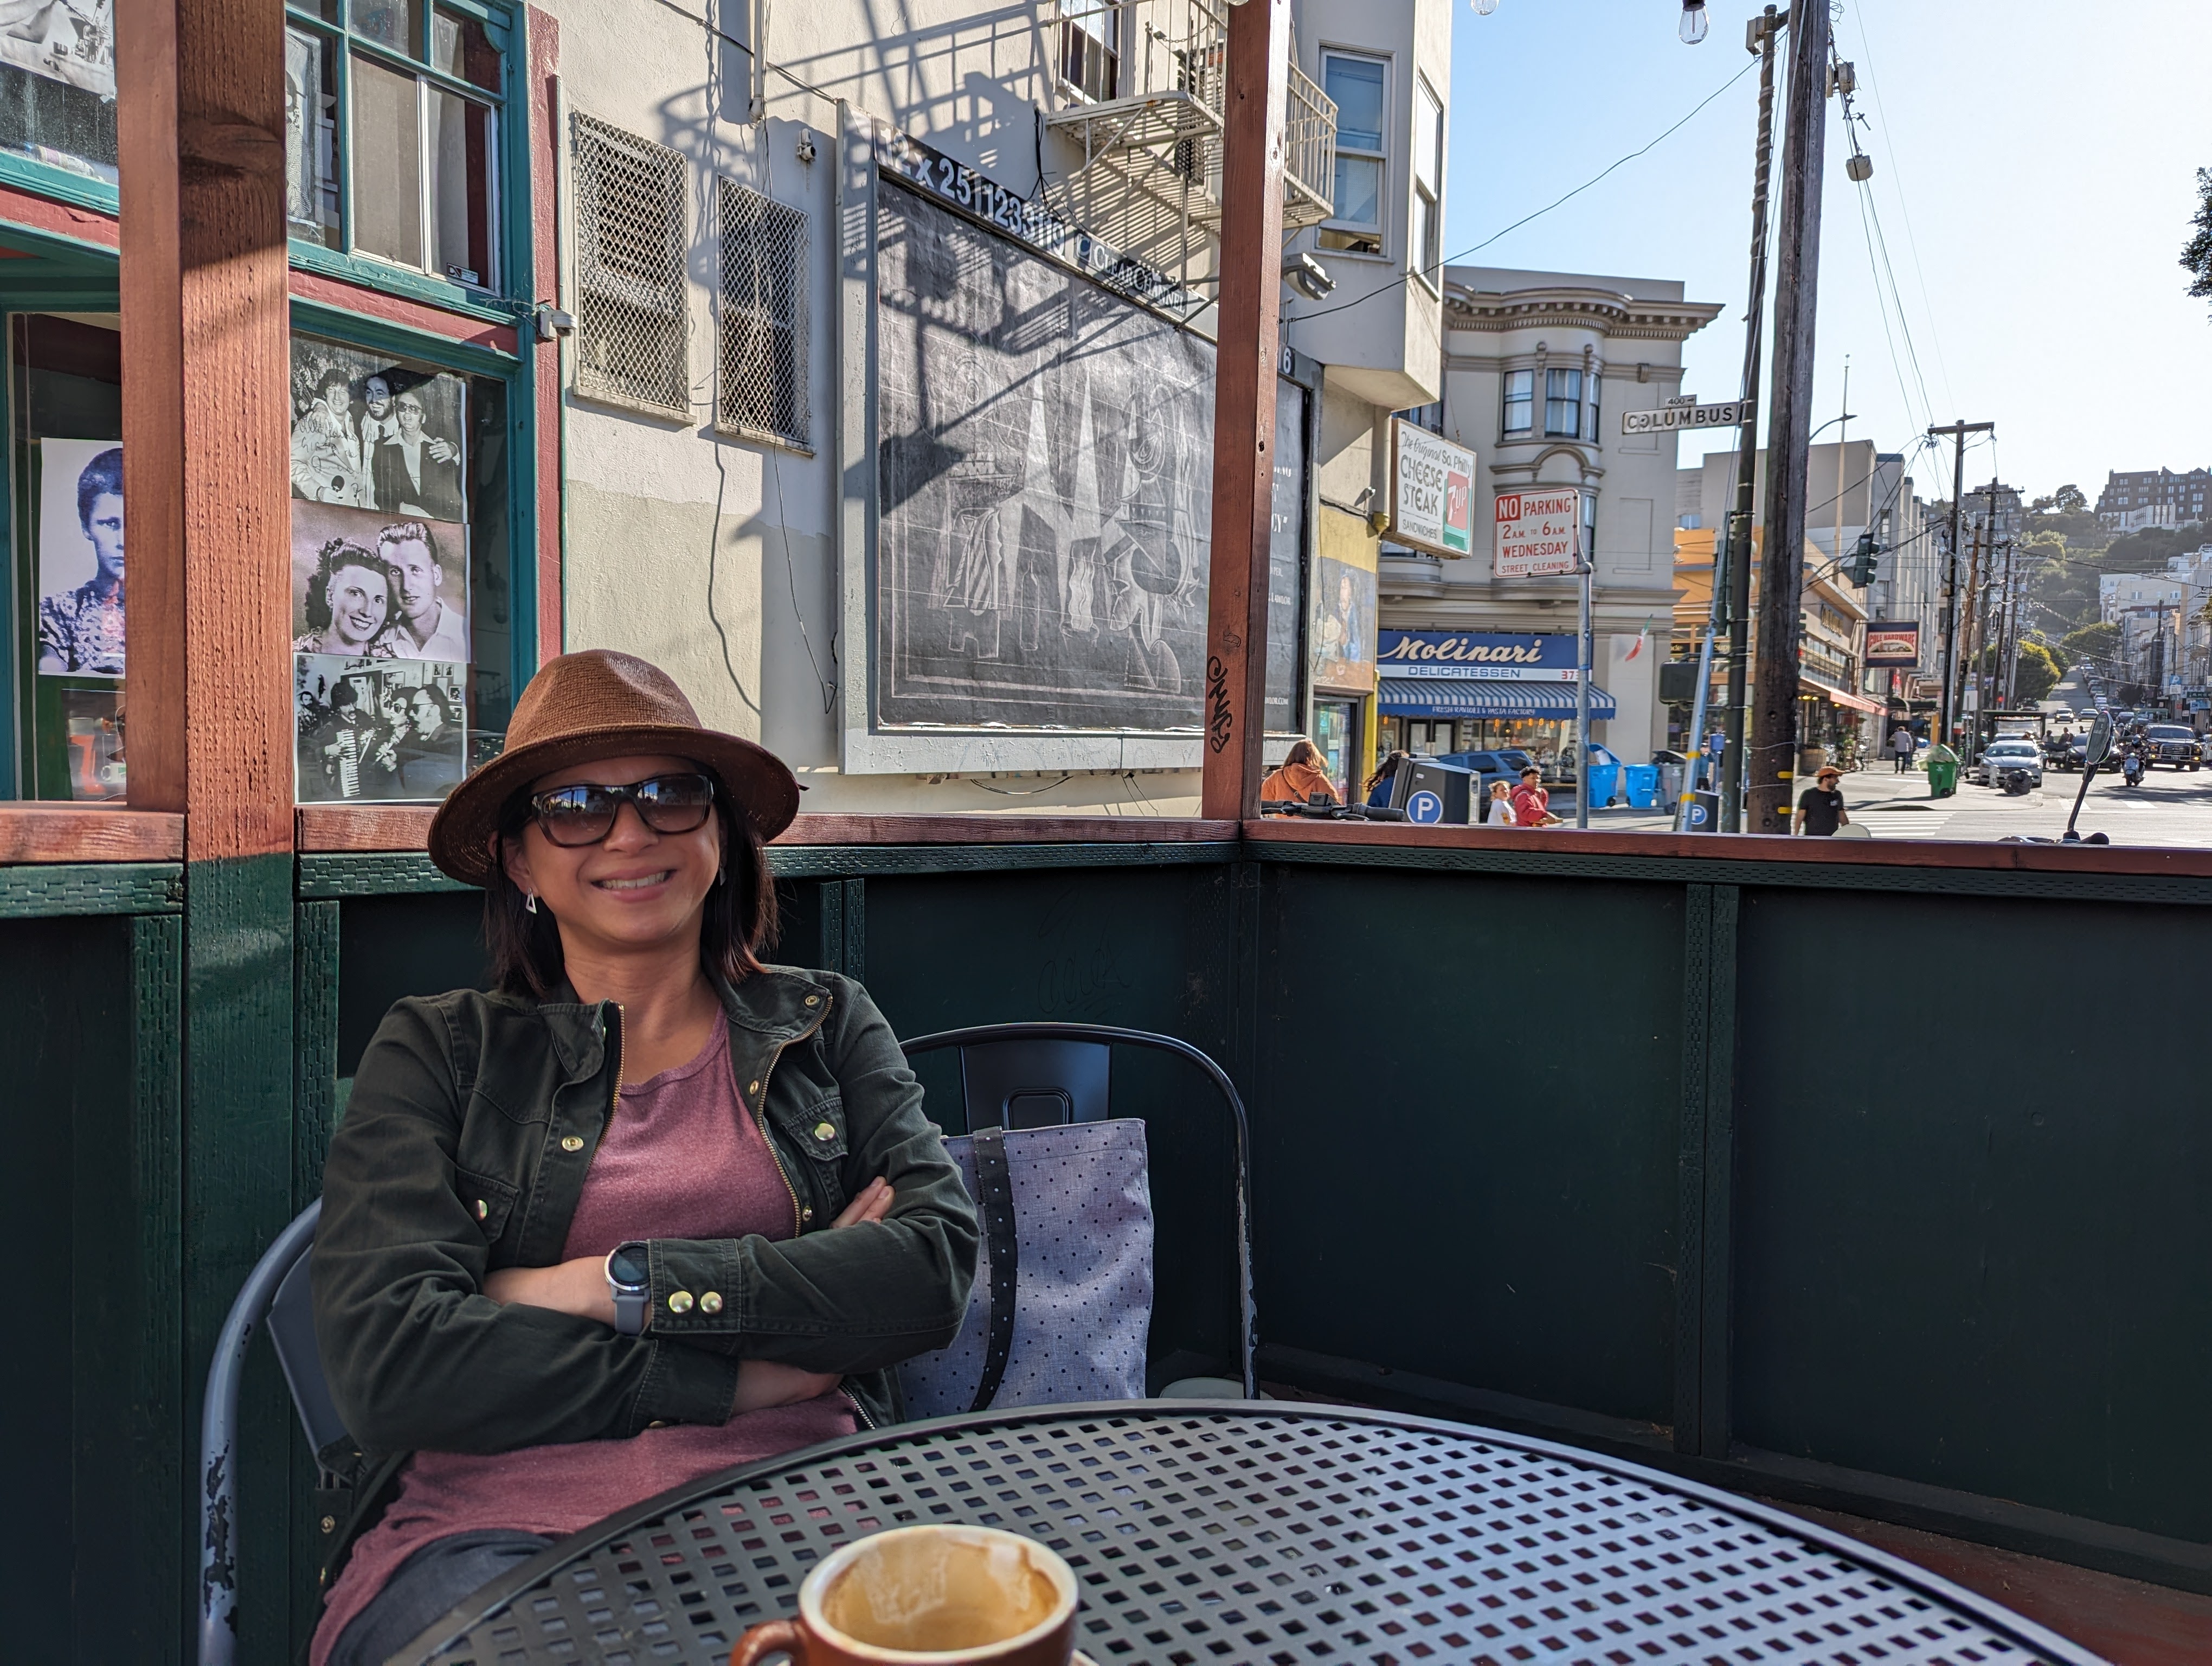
x=937 y=1595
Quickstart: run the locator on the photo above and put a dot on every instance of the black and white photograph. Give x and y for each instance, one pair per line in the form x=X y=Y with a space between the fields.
x=368 y=586
x=1044 y=463
x=80 y=590
x=372 y=433
x=72 y=42
x=385 y=730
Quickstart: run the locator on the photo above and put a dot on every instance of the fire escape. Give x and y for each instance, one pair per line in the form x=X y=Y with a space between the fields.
x=1141 y=85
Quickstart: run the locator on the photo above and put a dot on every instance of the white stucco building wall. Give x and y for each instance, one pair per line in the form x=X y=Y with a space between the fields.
x=718 y=556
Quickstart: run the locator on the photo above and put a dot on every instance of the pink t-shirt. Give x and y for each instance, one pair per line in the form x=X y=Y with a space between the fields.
x=682 y=1158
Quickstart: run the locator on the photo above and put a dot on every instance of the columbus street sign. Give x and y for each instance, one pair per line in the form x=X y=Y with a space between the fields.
x=1732 y=414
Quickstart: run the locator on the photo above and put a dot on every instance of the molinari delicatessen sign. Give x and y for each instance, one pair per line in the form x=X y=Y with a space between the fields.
x=1494 y=656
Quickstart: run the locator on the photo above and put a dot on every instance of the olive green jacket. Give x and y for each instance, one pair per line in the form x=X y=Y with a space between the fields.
x=472 y=1121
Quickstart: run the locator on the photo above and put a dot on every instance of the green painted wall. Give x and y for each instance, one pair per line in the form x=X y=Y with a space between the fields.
x=1466 y=1106
x=1974 y=1215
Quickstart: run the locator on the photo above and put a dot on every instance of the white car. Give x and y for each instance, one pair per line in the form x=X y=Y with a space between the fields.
x=2002 y=756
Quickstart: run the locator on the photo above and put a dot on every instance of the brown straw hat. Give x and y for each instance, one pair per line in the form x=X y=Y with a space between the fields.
x=599 y=703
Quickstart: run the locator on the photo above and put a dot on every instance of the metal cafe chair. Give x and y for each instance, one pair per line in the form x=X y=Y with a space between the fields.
x=275 y=1294
x=1042 y=1075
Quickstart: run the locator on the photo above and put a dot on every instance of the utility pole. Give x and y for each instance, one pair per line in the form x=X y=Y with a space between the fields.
x=1771 y=759
x=1759 y=37
x=1958 y=431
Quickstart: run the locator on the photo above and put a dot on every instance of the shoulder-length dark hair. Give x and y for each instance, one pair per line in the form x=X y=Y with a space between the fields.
x=741 y=918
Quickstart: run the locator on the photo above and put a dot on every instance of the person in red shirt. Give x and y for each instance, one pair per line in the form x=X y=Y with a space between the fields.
x=1531 y=805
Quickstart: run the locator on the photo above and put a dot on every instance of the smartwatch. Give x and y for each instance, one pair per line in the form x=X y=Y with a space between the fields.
x=630 y=1282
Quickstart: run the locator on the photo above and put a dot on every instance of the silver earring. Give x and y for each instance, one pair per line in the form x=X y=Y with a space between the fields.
x=531 y=902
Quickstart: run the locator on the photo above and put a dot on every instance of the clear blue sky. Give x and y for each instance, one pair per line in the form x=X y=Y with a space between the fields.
x=2034 y=172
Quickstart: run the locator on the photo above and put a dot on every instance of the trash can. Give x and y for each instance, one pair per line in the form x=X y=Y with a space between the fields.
x=1942 y=771
x=1670 y=782
x=1641 y=782
x=1604 y=782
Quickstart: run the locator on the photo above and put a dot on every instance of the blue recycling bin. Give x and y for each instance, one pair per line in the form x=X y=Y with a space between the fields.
x=1641 y=785
x=1604 y=781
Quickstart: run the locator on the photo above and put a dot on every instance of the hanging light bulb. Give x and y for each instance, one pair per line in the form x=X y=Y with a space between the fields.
x=1483 y=7
x=1693 y=29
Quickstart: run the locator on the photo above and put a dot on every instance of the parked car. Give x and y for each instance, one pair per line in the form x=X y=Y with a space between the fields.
x=2000 y=756
x=2175 y=744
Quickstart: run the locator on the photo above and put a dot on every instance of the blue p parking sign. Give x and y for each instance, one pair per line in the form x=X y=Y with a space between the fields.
x=1425 y=806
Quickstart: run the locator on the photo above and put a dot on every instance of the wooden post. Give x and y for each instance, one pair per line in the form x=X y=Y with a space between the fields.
x=1244 y=407
x=200 y=121
x=1773 y=752
x=208 y=690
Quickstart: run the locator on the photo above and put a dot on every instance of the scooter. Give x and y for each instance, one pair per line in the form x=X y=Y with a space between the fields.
x=2131 y=770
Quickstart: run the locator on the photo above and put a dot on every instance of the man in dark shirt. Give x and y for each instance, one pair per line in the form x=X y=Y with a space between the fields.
x=1820 y=806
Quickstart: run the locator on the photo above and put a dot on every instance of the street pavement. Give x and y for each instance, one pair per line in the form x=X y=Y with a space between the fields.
x=2170 y=808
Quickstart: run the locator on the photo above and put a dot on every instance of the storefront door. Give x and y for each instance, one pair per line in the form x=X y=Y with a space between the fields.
x=1336 y=732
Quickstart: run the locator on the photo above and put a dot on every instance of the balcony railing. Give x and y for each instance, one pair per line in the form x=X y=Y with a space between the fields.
x=1143 y=83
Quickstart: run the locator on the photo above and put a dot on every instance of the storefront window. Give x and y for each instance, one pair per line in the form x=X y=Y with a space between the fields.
x=58 y=86
x=401 y=599
x=66 y=397
x=391 y=140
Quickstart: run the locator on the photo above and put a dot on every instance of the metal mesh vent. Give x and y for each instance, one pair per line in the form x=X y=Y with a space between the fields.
x=632 y=333
x=763 y=316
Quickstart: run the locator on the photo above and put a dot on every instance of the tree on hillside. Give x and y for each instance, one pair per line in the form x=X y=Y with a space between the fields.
x=2196 y=253
x=2066 y=501
x=2099 y=644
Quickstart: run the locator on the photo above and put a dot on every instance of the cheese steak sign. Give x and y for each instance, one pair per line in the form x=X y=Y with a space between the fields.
x=1432 y=491
x=1539 y=533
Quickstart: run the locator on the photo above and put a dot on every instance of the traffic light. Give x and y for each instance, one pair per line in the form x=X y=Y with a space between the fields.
x=1863 y=556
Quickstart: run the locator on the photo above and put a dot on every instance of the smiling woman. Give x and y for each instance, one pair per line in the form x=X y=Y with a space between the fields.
x=648 y=1209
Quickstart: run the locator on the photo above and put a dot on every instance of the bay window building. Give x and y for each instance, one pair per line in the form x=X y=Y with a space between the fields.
x=1538 y=368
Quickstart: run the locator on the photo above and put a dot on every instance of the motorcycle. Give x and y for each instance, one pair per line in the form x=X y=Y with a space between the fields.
x=2131 y=769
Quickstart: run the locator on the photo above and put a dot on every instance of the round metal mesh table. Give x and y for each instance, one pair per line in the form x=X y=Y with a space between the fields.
x=1261 y=1533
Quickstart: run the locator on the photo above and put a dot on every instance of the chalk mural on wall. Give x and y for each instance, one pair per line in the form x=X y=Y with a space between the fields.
x=1044 y=464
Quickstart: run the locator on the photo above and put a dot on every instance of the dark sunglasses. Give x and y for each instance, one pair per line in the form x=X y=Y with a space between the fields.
x=585 y=813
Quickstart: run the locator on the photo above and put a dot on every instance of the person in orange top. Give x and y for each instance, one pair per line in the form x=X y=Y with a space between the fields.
x=1301 y=776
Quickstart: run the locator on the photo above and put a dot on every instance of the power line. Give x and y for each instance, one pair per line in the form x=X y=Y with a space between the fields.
x=1911 y=240
x=1431 y=272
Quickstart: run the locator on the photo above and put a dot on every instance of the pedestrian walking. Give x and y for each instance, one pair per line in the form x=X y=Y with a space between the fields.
x=1900 y=746
x=1531 y=803
x=1820 y=806
x=1501 y=805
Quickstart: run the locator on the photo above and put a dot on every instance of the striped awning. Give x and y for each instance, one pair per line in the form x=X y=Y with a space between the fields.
x=1486 y=696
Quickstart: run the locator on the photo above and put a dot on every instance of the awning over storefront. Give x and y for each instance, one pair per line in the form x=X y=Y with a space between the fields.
x=1486 y=696
x=1829 y=691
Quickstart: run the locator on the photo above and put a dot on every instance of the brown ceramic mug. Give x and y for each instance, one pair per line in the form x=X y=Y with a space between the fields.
x=938 y=1595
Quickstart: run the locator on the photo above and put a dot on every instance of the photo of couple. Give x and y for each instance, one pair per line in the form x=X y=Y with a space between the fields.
x=379 y=729
x=375 y=435
x=367 y=587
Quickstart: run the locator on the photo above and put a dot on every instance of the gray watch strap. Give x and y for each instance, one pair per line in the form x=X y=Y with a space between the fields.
x=631 y=1304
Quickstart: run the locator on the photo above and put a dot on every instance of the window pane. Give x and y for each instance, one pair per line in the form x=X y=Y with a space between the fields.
x=1358 y=190
x=1423 y=235
x=311 y=117
x=394 y=23
x=387 y=164
x=461 y=195
x=1356 y=84
x=459 y=46
x=1428 y=138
